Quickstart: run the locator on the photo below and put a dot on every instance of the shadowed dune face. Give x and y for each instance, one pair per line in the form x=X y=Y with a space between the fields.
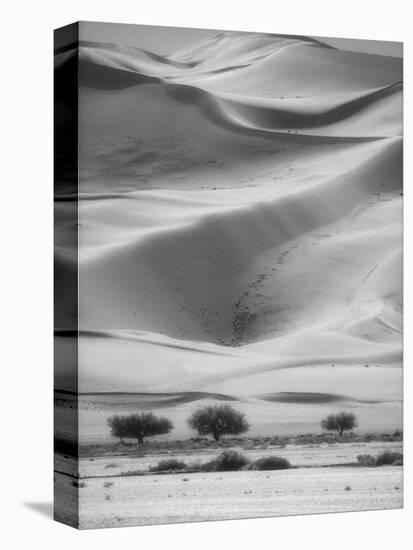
x=240 y=219
x=308 y=398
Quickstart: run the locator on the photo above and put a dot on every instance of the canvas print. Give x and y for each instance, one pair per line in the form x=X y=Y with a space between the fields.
x=228 y=275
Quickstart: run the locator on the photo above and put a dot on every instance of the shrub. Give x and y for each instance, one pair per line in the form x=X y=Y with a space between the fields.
x=227 y=461
x=366 y=460
x=169 y=464
x=388 y=457
x=270 y=463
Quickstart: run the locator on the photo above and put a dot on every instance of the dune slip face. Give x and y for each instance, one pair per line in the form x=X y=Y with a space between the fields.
x=228 y=274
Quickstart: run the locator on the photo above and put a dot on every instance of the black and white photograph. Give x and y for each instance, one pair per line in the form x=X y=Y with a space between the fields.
x=228 y=270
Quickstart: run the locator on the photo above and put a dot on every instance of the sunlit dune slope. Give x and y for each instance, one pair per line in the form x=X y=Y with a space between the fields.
x=240 y=219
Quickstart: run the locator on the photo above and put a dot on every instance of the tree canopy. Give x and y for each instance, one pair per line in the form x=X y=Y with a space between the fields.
x=339 y=422
x=218 y=420
x=138 y=426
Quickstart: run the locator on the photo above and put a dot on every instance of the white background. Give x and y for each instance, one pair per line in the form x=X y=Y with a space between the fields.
x=26 y=270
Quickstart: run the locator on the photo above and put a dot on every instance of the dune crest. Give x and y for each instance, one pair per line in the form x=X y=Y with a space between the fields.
x=242 y=218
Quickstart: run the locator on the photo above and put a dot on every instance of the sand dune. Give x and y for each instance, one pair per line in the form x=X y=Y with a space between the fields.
x=268 y=64
x=308 y=397
x=240 y=221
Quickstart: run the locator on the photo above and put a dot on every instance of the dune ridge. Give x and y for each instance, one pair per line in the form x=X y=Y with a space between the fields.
x=240 y=224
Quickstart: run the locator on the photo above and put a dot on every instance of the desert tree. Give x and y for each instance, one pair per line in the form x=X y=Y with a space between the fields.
x=339 y=422
x=138 y=426
x=218 y=420
x=118 y=426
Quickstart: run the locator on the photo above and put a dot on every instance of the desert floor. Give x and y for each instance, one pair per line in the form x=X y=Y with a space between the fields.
x=119 y=491
x=212 y=496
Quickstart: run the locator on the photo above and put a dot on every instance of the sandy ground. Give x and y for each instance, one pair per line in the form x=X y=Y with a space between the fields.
x=214 y=496
x=110 y=496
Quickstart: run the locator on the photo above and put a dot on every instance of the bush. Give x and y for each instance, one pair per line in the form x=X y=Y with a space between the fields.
x=366 y=460
x=170 y=464
x=270 y=463
x=227 y=461
x=389 y=457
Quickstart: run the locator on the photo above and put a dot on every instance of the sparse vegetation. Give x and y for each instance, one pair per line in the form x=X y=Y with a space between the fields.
x=167 y=465
x=384 y=458
x=217 y=421
x=227 y=461
x=366 y=460
x=230 y=461
x=108 y=484
x=113 y=450
x=138 y=426
x=340 y=422
x=270 y=463
x=389 y=458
